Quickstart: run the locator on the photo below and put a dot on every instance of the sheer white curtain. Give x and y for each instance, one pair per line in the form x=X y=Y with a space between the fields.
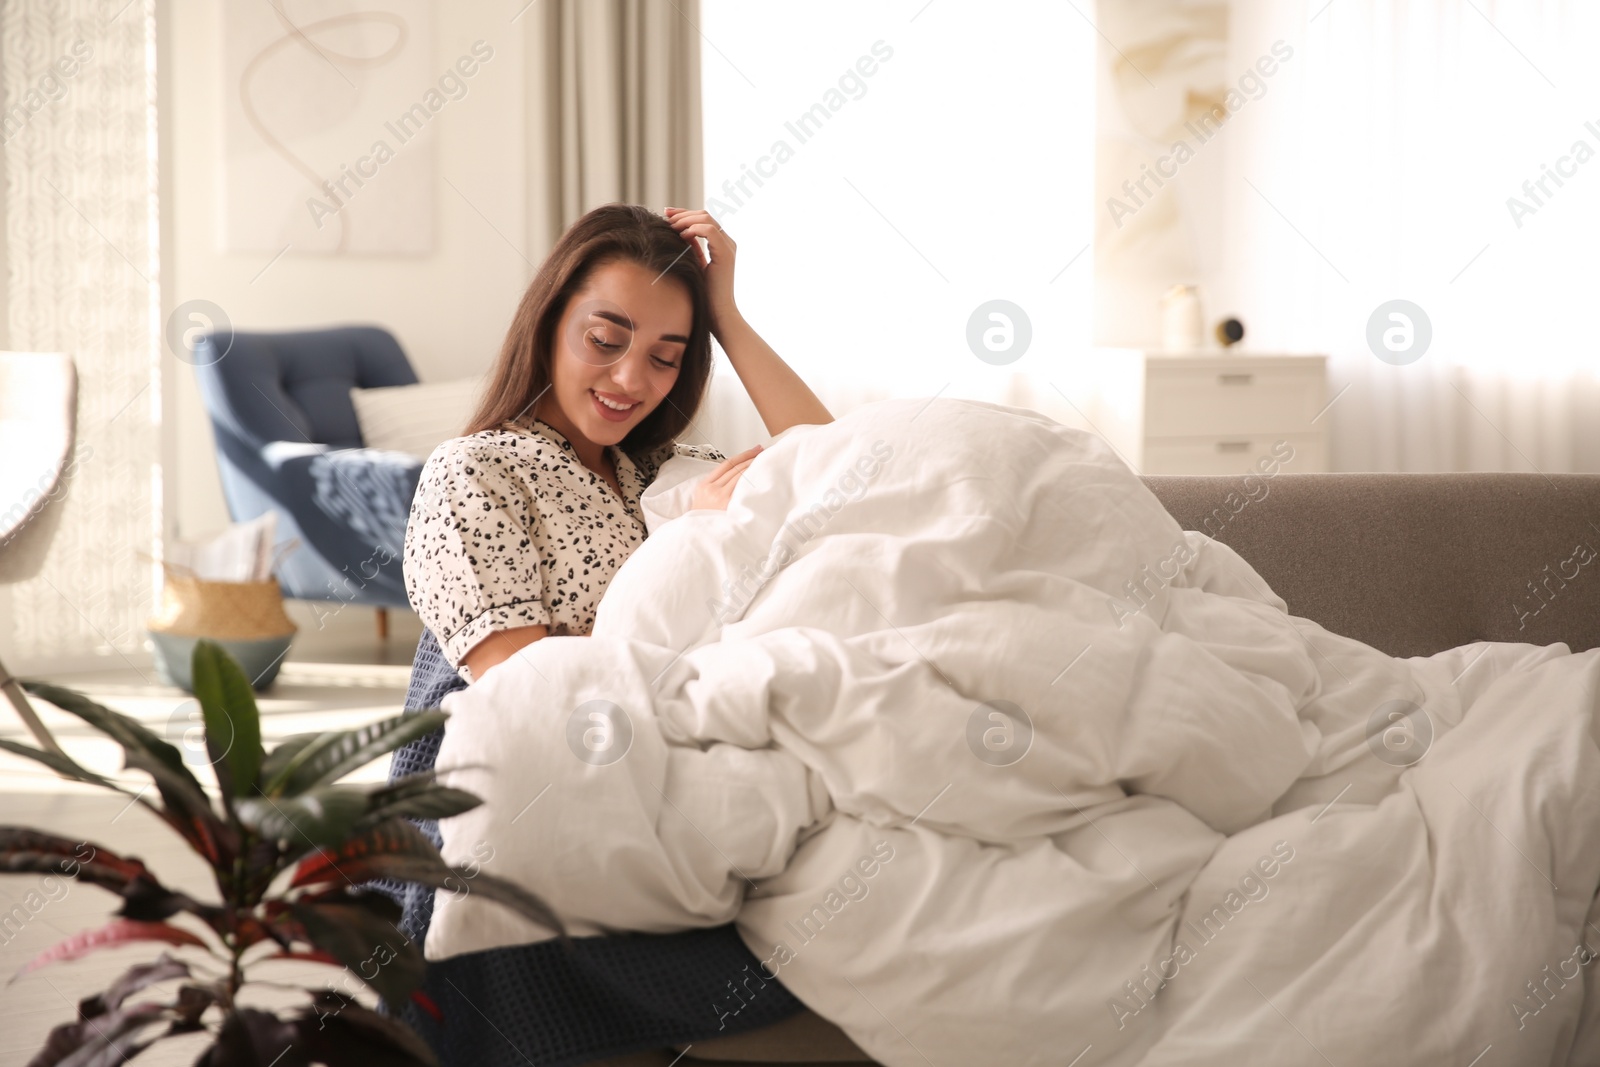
x=935 y=158
x=81 y=253
x=1380 y=168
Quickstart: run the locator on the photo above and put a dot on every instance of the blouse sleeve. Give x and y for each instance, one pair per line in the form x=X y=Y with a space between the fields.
x=700 y=452
x=472 y=563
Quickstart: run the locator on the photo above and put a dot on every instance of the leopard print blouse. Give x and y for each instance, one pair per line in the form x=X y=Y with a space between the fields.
x=509 y=528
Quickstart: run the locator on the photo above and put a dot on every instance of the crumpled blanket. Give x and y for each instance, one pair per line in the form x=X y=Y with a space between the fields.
x=991 y=762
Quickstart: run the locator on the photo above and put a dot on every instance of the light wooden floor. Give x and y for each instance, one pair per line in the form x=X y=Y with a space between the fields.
x=307 y=696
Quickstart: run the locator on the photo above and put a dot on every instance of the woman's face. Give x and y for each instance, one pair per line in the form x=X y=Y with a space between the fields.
x=618 y=350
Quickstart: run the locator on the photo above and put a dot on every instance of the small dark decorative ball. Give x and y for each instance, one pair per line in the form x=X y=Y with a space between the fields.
x=1230 y=332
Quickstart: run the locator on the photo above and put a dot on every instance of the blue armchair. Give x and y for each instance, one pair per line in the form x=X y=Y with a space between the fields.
x=287 y=441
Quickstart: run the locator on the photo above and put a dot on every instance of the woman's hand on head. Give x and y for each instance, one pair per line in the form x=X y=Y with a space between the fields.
x=716 y=488
x=719 y=271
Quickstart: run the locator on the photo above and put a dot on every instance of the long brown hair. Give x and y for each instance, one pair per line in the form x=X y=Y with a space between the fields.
x=608 y=233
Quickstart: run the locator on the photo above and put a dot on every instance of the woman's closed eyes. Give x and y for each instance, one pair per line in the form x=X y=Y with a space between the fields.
x=610 y=348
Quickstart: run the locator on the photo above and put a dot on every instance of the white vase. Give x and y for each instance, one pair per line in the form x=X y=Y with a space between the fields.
x=1180 y=319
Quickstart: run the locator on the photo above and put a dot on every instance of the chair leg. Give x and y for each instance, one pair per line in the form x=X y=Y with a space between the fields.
x=19 y=701
x=383 y=624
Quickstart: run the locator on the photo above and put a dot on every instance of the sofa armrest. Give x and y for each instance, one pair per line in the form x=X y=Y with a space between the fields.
x=1414 y=563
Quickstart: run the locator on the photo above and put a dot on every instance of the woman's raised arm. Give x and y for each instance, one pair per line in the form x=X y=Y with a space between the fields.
x=780 y=395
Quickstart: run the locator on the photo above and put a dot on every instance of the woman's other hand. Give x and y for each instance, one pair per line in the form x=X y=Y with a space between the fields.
x=719 y=271
x=499 y=646
x=716 y=488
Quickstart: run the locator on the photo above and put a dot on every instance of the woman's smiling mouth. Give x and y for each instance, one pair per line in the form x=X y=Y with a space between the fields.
x=612 y=407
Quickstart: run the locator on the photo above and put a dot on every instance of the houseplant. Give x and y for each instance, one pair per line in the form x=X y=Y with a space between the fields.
x=289 y=848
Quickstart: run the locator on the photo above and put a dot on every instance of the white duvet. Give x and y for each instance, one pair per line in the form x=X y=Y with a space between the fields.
x=992 y=763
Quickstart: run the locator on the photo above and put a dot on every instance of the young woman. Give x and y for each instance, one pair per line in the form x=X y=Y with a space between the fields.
x=517 y=527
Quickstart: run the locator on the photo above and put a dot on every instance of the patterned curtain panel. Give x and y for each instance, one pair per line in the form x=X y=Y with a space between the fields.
x=80 y=255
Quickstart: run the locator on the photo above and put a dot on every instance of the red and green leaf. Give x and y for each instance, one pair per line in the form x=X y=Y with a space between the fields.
x=31 y=852
x=250 y=1037
x=338 y=1029
x=132 y=981
x=398 y=850
x=394 y=837
x=193 y=1000
x=312 y=955
x=114 y=933
x=101 y=1041
x=364 y=939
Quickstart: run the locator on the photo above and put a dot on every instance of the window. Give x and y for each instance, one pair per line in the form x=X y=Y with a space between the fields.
x=886 y=168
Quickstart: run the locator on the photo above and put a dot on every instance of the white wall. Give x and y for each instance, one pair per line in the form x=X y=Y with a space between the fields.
x=449 y=309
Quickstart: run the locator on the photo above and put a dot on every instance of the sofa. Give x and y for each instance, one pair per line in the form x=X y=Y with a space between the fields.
x=1411 y=564
x=287 y=441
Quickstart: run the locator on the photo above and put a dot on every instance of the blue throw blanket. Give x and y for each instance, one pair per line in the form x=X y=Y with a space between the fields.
x=554 y=1006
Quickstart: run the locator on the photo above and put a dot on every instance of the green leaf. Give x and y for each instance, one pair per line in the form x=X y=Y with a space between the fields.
x=63 y=765
x=323 y=816
x=190 y=810
x=365 y=941
x=285 y=750
x=436 y=802
x=338 y=753
x=507 y=894
x=128 y=732
x=233 y=724
x=387 y=799
x=339 y=1030
x=405 y=786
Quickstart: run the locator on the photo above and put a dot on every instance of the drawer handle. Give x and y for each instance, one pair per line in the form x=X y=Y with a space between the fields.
x=1233 y=446
x=1235 y=379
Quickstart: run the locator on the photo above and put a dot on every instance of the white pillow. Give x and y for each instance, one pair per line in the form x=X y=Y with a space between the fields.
x=415 y=419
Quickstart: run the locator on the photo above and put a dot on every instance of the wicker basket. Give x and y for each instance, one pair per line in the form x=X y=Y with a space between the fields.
x=245 y=618
x=195 y=607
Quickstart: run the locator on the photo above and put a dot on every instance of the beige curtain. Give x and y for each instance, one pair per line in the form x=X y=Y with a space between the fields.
x=613 y=108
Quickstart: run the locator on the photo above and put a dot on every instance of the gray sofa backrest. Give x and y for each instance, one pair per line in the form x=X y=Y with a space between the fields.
x=1414 y=563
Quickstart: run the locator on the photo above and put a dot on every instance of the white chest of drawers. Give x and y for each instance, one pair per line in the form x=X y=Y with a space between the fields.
x=1218 y=413
x=1200 y=413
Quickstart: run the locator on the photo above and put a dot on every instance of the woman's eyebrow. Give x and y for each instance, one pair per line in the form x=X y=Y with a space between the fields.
x=620 y=320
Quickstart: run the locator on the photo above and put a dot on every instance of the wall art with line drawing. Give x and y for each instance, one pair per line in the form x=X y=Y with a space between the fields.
x=328 y=116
